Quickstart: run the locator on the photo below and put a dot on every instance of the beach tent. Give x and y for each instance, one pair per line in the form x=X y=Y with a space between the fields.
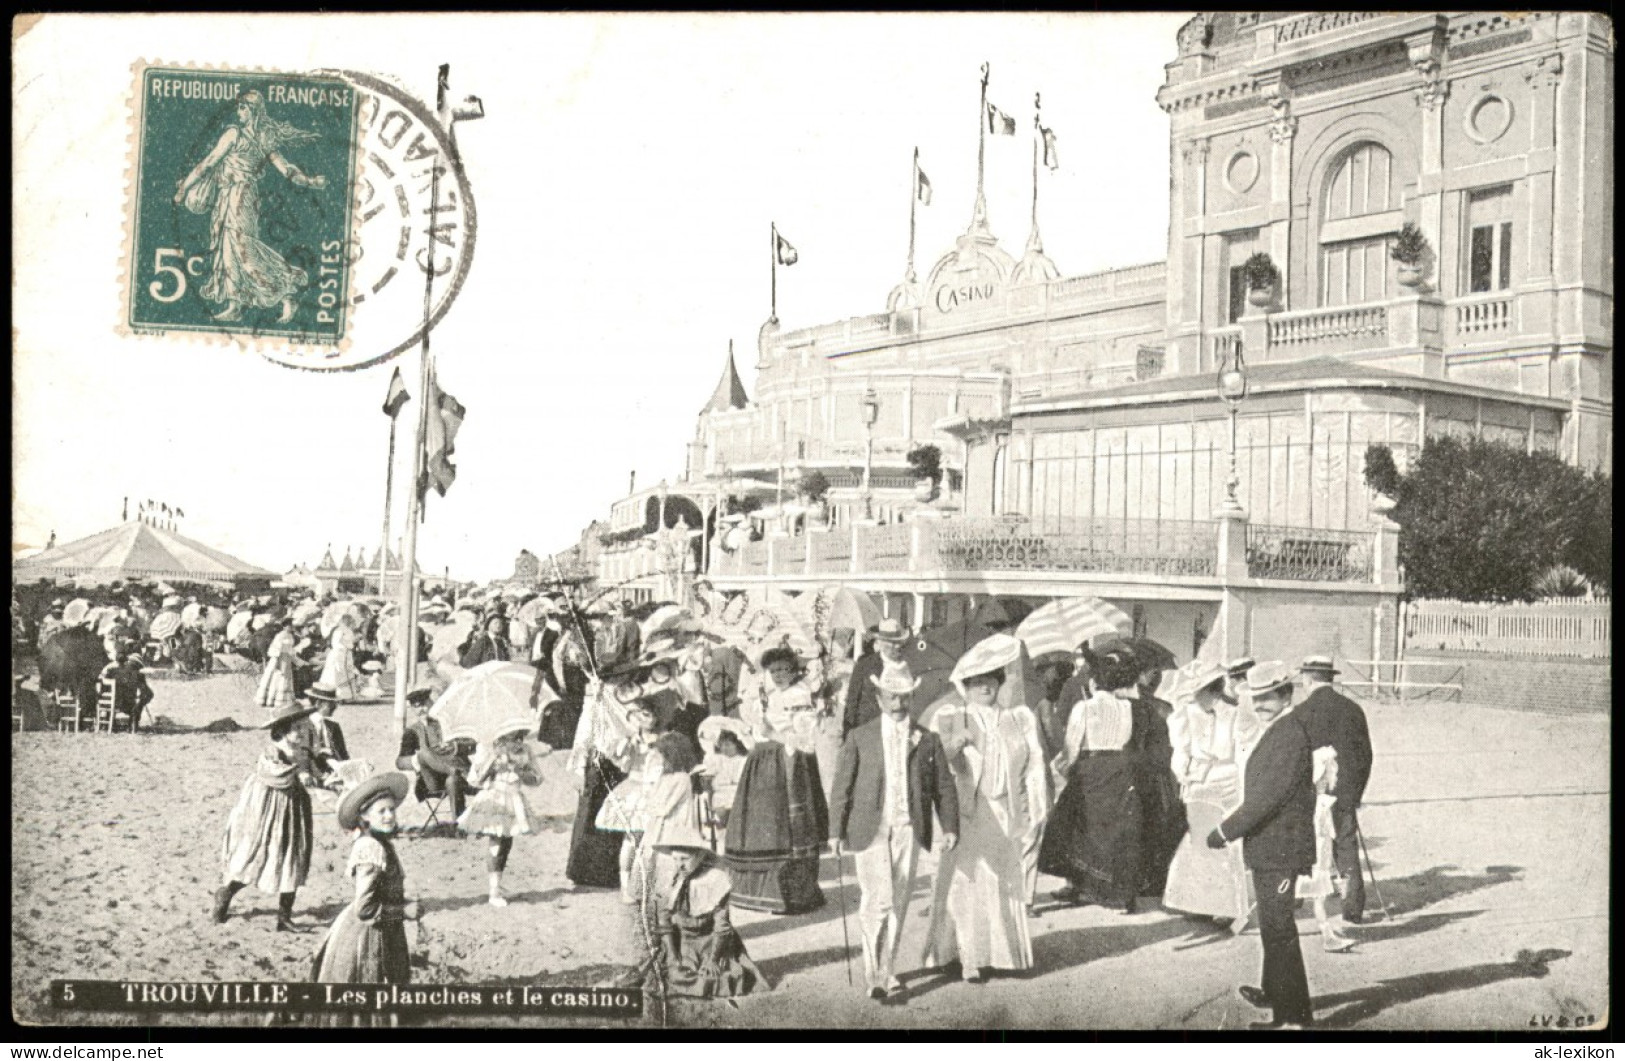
x=137 y=550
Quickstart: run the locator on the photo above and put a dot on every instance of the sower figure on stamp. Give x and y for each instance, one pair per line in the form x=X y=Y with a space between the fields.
x=268 y=837
x=1276 y=822
x=1334 y=720
x=225 y=185
x=890 y=776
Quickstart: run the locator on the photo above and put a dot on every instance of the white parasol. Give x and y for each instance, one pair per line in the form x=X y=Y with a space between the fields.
x=238 y=623
x=191 y=614
x=305 y=611
x=450 y=637
x=488 y=701
x=1063 y=625
x=165 y=624
x=76 y=611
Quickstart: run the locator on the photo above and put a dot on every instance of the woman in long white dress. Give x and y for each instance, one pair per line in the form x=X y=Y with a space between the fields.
x=979 y=912
x=338 y=671
x=275 y=691
x=1208 y=734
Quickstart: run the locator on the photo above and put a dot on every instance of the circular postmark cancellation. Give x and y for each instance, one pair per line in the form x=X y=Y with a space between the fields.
x=303 y=216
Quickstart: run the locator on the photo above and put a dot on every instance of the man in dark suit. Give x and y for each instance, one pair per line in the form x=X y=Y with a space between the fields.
x=862 y=704
x=441 y=766
x=890 y=776
x=490 y=644
x=1333 y=719
x=327 y=736
x=1276 y=821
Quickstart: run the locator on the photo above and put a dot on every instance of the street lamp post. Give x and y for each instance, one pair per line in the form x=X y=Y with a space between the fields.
x=1233 y=390
x=871 y=413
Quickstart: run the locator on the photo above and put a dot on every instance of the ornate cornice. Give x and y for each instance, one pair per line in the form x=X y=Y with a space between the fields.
x=1239 y=89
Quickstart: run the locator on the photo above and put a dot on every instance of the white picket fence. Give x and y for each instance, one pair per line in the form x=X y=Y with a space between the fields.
x=1556 y=628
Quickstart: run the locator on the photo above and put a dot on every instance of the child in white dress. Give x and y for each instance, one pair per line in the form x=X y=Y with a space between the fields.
x=500 y=811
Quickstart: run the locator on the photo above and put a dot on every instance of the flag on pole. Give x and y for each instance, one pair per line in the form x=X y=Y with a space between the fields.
x=179 y=514
x=445 y=417
x=1050 y=158
x=1000 y=123
x=166 y=510
x=922 y=186
x=397 y=395
x=786 y=254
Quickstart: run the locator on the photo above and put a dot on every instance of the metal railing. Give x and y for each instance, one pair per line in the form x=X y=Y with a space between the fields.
x=1309 y=555
x=1127 y=546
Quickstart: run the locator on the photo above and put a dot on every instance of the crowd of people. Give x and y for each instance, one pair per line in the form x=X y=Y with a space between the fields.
x=719 y=767
x=718 y=770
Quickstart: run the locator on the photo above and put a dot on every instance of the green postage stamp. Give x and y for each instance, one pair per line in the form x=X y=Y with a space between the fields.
x=243 y=202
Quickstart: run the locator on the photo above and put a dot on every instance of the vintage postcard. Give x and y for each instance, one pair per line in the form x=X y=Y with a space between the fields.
x=861 y=523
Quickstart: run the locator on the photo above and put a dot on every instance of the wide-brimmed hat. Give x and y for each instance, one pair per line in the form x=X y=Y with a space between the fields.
x=423 y=690
x=896 y=681
x=353 y=802
x=639 y=667
x=1318 y=665
x=1238 y=668
x=890 y=630
x=292 y=714
x=712 y=729
x=993 y=653
x=1196 y=676
x=325 y=693
x=1268 y=676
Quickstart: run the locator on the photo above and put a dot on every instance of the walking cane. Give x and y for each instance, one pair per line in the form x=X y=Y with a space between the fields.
x=1360 y=835
x=840 y=884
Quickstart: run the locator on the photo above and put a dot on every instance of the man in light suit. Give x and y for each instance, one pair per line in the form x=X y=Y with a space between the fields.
x=890 y=776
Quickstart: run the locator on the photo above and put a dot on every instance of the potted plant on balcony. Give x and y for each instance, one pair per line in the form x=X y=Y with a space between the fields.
x=1262 y=278
x=813 y=486
x=926 y=464
x=1410 y=251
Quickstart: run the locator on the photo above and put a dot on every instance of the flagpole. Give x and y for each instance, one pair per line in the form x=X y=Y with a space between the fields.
x=389 y=495
x=979 y=218
x=1037 y=133
x=407 y=642
x=773 y=265
x=913 y=202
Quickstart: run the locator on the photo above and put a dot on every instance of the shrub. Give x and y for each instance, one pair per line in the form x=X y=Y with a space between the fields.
x=1259 y=272
x=1410 y=246
x=1561 y=581
x=926 y=463
x=814 y=485
x=1381 y=474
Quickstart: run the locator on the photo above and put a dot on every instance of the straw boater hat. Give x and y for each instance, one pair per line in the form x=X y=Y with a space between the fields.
x=1268 y=676
x=1238 y=668
x=890 y=630
x=355 y=801
x=895 y=681
x=1318 y=667
x=420 y=691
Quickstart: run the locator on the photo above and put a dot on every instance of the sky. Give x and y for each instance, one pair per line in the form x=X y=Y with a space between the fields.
x=626 y=173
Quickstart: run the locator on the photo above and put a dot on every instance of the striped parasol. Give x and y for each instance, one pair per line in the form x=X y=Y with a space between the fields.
x=1062 y=625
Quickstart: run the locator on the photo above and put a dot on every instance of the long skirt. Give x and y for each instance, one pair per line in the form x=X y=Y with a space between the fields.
x=1093 y=837
x=1201 y=880
x=276 y=684
x=339 y=672
x=979 y=905
x=1164 y=824
x=268 y=838
x=712 y=963
x=363 y=952
x=776 y=830
x=595 y=853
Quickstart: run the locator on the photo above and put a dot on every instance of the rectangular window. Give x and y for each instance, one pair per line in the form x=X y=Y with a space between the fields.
x=1489 y=240
x=1354 y=272
x=1238 y=247
x=1238 y=296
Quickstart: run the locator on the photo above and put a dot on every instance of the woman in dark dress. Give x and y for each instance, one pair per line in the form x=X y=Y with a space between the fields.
x=1164 y=813
x=1094 y=835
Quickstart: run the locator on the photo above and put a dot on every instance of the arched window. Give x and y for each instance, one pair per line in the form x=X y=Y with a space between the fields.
x=1359 y=216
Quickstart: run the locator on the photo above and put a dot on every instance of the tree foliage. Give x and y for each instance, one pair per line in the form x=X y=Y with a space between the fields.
x=1483 y=522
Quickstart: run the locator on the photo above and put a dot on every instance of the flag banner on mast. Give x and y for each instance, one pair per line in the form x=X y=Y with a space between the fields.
x=445 y=417
x=786 y=254
x=1051 y=160
x=922 y=186
x=1000 y=123
x=397 y=395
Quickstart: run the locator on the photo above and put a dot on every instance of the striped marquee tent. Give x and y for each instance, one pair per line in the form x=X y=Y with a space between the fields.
x=137 y=550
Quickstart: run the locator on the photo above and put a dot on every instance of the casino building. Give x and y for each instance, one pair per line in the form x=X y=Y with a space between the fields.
x=1086 y=442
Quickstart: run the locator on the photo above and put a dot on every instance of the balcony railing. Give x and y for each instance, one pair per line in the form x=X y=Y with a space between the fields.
x=1309 y=555
x=1481 y=317
x=1127 y=546
x=1340 y=329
